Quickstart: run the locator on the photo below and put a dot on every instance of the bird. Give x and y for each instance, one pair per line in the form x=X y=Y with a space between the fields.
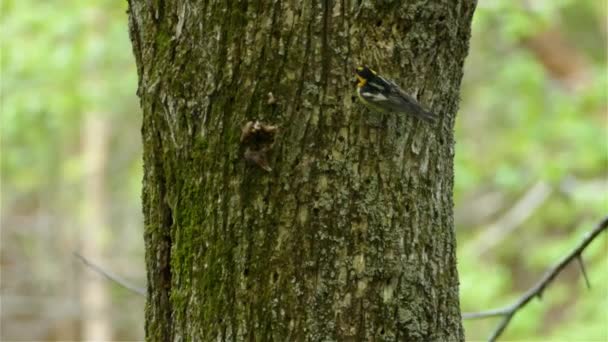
x=381 y=94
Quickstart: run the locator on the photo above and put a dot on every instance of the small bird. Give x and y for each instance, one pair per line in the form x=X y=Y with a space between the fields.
x=378 y=93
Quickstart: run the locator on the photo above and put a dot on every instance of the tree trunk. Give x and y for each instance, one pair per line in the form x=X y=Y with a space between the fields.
x=94 y=295
x=350 y=235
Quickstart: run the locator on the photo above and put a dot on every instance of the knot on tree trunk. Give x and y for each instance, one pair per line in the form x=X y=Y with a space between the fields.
x=258 y=138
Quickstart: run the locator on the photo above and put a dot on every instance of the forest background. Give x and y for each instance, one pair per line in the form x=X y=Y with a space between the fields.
x=531 y=168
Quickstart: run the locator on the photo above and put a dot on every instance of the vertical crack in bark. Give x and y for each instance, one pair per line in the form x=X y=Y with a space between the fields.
x=158 y=10
x=325 y=48
x=165 y=267
x=325 y=54
x=159 y=321
x=303 y=76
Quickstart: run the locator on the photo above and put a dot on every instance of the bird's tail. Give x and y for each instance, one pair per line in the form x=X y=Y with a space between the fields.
x=425 y=115
x=413 y=107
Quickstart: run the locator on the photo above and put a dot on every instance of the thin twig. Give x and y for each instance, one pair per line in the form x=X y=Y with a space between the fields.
x=111 y=276
x=581 y=264
x=537 y=290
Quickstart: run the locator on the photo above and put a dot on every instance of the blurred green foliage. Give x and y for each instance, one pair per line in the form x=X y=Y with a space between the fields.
x=63 y=63
x=525 y=119
x=520 y=123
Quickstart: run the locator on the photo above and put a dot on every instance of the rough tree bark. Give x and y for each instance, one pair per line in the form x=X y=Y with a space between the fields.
x=350 y=236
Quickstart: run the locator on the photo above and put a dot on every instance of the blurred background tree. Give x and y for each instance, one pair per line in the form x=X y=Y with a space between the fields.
x=71 y=171
x=531 y=167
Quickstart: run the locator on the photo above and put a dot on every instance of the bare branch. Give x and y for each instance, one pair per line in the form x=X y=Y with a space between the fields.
x=537 y=290
x=111 y=276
